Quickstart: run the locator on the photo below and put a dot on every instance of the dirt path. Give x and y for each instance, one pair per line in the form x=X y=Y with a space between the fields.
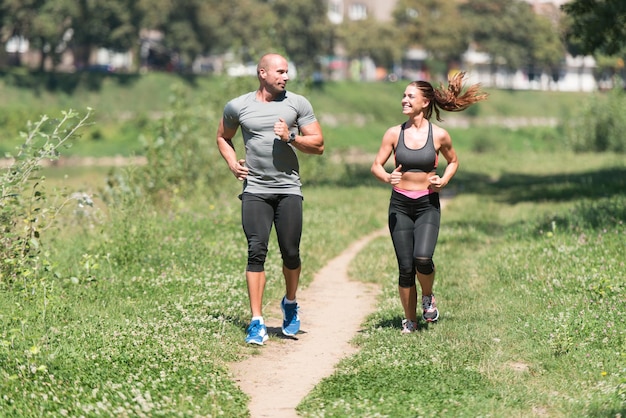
x=333 y=308
x=332 y=311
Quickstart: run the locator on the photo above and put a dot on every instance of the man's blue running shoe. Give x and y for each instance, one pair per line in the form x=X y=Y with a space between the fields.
x=257 y=333
x=291 y=321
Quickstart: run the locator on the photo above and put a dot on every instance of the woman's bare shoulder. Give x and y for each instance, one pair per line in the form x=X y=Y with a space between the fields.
x=394 y=130
x=439 y=132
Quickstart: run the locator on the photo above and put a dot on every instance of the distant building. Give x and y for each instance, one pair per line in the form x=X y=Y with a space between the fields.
x=576 y=73
x=342 y=10
x=382 y=10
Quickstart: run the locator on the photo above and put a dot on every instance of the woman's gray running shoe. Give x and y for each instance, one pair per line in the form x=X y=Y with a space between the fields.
x=429 y=306
x=408 y=326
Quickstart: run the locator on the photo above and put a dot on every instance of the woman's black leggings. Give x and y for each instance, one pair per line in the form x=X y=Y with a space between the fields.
x=258 y=213
x=414 y=227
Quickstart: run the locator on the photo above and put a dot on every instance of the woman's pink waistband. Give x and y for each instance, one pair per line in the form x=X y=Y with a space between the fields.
x=414 y=194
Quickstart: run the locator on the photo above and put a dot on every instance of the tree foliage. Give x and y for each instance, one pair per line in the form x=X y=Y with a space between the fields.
x=191 y=28
x=251 y=28
x=303 y=29
x=43 y=22
x=597 y=25
x=434 y=25
x=369 y=38
x=102 y=23
x=508 y=30
x=513 y=34
x=52 y=26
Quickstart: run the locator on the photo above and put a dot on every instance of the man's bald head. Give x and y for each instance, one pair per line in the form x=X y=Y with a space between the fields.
x=270 y=61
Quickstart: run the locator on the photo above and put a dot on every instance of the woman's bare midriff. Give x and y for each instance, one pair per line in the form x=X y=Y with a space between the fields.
x=415 y=181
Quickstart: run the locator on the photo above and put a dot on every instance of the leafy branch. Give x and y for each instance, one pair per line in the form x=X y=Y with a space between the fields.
x=25 y=210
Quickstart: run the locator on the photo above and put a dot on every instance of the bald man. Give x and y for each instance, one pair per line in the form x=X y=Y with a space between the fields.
x=275 y=124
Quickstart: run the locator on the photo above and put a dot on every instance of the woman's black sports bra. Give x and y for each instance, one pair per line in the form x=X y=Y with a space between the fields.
x=424 y=159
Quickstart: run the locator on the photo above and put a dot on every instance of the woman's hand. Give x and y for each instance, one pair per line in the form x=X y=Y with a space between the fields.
x=396 y=175
x=436 y=183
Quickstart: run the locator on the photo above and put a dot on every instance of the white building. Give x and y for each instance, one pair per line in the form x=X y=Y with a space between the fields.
x=576 y=74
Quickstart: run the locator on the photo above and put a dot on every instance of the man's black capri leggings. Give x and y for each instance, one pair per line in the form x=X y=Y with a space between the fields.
x=258 y=213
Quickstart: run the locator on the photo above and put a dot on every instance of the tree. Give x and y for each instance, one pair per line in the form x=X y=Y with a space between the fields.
x=303 y=30
x=43 y=22
x=547 y=50
x=249 y=28
x=369 y=38
x=54 y=25
x=434 y=25
x=512 y=34
x=196 y=27
x=189 y=27
x=597 y=25
x=112 y=24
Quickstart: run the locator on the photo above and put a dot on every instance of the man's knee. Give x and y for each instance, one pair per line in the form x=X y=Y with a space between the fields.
x=257 y=252
x=255 y=268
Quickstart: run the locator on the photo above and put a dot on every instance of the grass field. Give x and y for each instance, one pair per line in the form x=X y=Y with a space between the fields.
x=145 y=306
x=531 y=291
x=353 y=115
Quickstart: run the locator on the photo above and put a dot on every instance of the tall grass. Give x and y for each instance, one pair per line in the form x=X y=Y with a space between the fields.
x=600 y=125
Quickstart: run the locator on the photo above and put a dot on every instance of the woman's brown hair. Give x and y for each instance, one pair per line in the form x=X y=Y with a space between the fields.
x=451 y=99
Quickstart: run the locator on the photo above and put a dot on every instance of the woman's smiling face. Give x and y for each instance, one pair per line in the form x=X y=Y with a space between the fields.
x=413 y=101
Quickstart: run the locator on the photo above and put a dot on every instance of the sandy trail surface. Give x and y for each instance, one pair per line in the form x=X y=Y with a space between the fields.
x=332 y=309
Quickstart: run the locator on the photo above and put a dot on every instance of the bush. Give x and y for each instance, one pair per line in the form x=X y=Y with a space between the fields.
x=182 y=156
x=600 y=125
x=597 y=214
x=25 y=208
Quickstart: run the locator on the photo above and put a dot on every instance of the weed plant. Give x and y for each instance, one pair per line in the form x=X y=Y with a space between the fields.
x=26 y=210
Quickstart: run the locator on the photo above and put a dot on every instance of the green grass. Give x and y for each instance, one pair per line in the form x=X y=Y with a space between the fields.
x=145 y=313
x=533 y=310
x=144 y=307
x=353 y=115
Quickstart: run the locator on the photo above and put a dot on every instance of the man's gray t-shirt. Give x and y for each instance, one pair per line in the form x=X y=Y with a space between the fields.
x=272 y=163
